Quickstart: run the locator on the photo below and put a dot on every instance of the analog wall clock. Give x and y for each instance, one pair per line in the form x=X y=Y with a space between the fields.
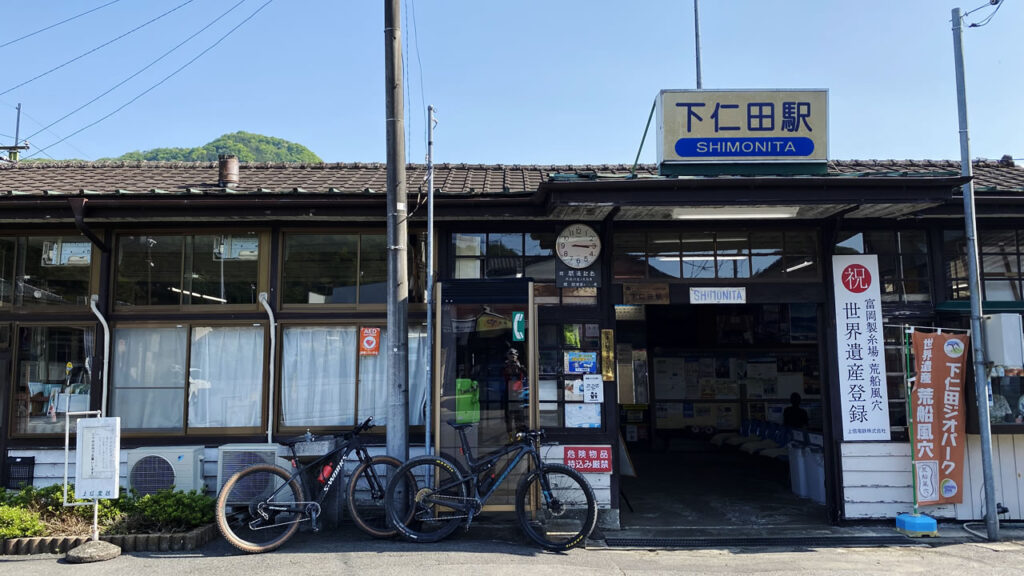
x=578 y=246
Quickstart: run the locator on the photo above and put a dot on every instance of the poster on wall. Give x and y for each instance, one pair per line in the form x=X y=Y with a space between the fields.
x=861 y=350
x=937 y=409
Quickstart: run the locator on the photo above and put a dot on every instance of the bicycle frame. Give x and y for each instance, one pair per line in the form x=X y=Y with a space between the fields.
x=522 y=449
x=336 y=457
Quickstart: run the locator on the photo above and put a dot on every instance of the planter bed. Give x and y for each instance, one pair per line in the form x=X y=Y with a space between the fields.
x=128 y=542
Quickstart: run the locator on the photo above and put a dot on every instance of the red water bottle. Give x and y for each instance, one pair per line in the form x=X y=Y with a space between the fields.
x=325 y=473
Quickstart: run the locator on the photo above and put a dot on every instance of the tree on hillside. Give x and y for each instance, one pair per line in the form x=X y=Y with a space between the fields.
x=247 y=146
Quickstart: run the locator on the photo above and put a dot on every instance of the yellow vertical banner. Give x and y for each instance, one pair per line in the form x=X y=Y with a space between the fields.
x=937 y=405
x=607 y=355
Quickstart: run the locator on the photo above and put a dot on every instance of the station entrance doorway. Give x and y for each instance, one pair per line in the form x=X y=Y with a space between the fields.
x=721 y=413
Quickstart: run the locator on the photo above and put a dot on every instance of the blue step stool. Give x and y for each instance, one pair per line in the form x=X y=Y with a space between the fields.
x=917 y=525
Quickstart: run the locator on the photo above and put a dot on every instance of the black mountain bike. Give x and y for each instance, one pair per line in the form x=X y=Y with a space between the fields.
x=429 y=496
x=260 y=508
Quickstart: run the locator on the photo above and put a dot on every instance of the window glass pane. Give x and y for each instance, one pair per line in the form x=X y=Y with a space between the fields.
x=954 y=253
x=1002 y=290
x=417 y=268
x=539 y=263
x=504 y=244
x=7 y=251
x=54 y=376
x=225 y=377
x=629 y=260
x=801 y=243
x=54 y=271
x=766 y=242
x=540 y=244
x=698 y=255
x=320 y=269
x=879 y=242
x=373 y=269
x=913 y=242
x=148 y=377
x=850 y=243
x=766 y=266
x=504 y=256
x=1000 y=265
x=469 y=244
x=318 y=375
x=149 y=270
x=468 y=268
x=664 y=253
x=997 y=241
x=733 y=261
x=224 y=270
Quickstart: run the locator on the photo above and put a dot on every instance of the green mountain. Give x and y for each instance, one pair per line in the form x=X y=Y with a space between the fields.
x=247 y=146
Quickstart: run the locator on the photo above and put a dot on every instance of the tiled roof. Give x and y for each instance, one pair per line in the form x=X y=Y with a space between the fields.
x=68 y=178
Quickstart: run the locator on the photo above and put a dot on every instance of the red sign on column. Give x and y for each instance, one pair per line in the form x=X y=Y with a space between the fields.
x=369 y=341
x=589 y=458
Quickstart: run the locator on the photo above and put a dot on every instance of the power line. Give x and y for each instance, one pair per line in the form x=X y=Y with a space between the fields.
x=151 y=88
x=419 y=67
x=137 y=28
x=38 y=123
x=141 y=70
x=30 y=34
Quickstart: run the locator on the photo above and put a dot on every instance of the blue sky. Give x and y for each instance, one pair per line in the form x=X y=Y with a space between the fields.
x=524 y=82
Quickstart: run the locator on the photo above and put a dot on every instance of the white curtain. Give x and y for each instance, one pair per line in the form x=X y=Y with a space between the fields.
x=148 y=377
x=226 y=377
x=373 y=383
x=318 y=375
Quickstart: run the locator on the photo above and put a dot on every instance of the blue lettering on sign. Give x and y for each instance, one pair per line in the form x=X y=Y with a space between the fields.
x=744 y=147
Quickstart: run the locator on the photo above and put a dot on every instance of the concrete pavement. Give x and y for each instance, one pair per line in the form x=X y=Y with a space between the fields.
x=499 y=549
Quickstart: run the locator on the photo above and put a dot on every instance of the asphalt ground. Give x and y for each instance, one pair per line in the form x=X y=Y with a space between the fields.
x=499 y=549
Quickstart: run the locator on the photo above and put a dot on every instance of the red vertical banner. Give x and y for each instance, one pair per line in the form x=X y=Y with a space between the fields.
x=937 y=404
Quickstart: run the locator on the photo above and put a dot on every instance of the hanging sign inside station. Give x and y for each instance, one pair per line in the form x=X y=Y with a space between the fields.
x=861 y=359
x=937 y=411
x=734 y=295
x=737 y=126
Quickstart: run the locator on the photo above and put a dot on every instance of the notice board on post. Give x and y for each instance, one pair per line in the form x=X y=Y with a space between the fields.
x=98 y=458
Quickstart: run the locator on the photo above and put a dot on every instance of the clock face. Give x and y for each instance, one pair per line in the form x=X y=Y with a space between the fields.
x=578 y=246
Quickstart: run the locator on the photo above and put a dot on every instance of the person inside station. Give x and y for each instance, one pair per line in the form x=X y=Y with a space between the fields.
x=794 y=416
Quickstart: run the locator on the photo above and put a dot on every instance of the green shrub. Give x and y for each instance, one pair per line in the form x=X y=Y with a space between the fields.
x=166 y=511
x=18 y=522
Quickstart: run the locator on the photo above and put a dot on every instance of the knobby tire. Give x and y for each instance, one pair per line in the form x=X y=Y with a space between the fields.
x=415 y=499
x=366 y=494
x=239 y=499
x=567 y=520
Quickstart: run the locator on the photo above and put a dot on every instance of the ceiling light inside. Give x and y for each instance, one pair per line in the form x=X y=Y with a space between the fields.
x=731 y=213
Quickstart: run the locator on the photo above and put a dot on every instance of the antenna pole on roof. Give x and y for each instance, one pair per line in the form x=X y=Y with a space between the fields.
x=696 y=39
x=12 y=151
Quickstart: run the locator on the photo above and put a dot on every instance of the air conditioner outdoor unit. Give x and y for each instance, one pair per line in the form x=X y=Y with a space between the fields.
x=163 y=467
x=234 y=457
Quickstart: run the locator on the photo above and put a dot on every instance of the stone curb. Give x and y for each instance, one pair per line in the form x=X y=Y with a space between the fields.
x=127 y=542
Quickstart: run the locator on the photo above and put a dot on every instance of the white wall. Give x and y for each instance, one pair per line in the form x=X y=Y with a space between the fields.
x=877 y=480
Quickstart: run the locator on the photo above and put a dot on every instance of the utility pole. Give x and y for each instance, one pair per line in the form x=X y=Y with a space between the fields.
x=430 y=279
x=981 y=383
x=397 y=238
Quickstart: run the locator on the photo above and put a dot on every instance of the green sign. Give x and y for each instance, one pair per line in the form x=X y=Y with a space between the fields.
x=518 y=326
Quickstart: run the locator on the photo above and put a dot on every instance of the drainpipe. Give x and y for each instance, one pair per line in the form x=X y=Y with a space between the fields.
x=106 y=349
x=273 y=356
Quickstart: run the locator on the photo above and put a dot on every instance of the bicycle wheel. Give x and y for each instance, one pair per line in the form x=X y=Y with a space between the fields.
x=417 y=497
x=366 y=496
x=245 y=508
x=561 y=519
